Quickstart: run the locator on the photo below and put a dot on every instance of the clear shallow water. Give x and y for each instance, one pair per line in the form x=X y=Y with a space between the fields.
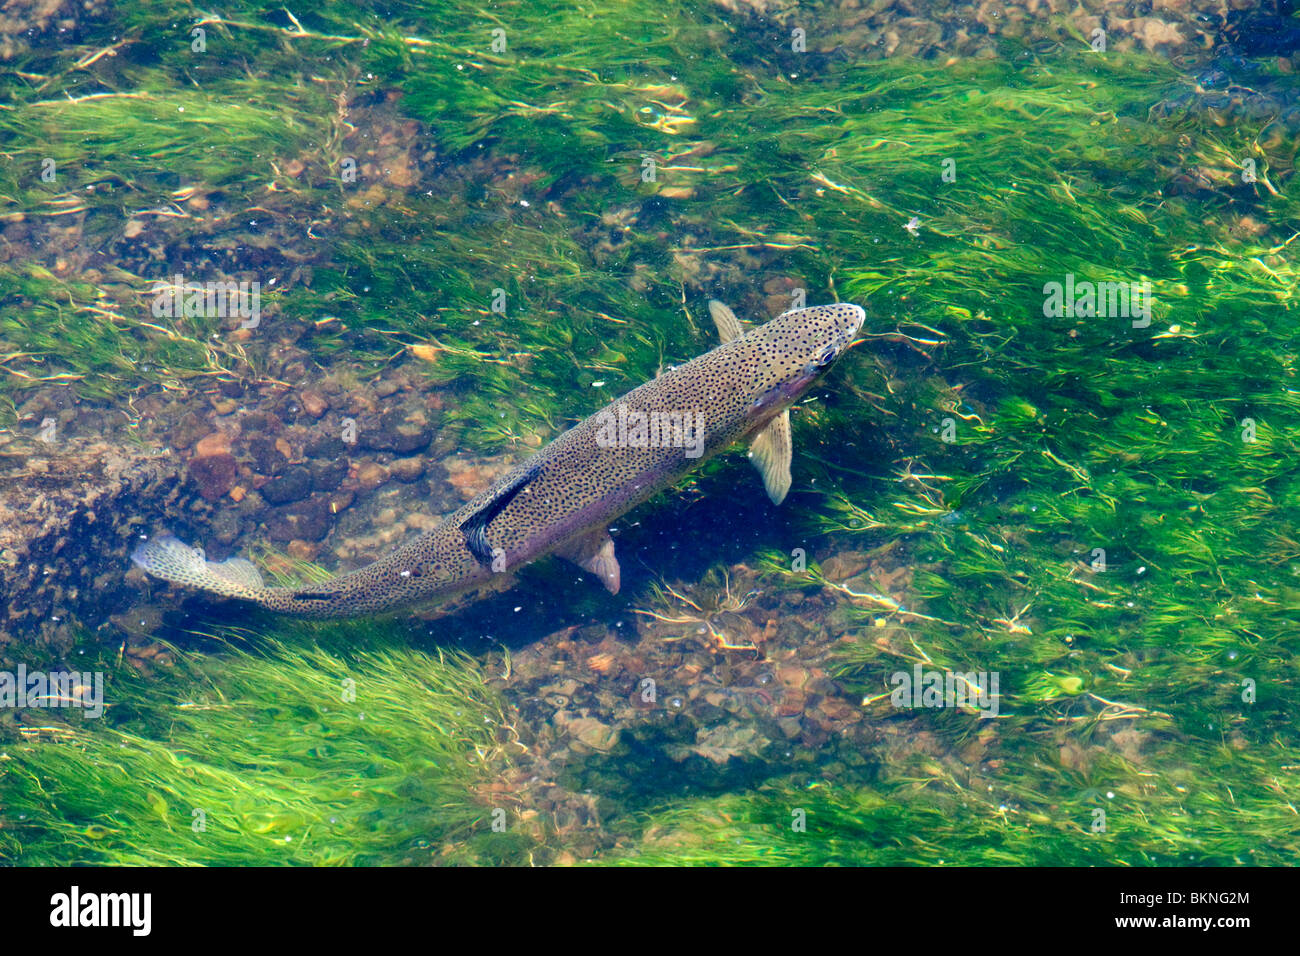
x=463 y=250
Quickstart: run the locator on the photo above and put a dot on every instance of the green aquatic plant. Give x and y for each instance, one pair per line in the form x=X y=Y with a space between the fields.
x=1087 y=807
x=100 y=180
x=68 y=333
x=297 y=749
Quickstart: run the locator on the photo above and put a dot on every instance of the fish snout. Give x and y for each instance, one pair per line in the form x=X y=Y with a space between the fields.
x=855 y=316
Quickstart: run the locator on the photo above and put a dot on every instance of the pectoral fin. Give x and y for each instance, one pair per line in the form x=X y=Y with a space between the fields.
x=594 y=552
x=474 y=525
x=729 y=326
x=770 y=451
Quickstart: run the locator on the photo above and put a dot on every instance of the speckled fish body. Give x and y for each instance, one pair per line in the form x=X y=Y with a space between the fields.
x=562 y=499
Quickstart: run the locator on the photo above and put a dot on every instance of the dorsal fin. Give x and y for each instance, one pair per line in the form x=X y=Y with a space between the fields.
x=728 y=325
x=474 y=526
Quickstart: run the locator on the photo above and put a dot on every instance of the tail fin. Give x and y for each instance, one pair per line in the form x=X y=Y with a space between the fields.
x=173 y=560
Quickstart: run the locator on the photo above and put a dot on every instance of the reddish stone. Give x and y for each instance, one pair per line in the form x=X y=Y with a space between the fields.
x=215 y=475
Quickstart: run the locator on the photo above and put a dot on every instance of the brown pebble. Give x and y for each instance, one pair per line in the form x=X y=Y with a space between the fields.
x=314 y=403
x=407 y=469
x=217 y=443
x=213 y=468
x=371 y=475
x=776 y=304
x=593 y=733
x=838 y=709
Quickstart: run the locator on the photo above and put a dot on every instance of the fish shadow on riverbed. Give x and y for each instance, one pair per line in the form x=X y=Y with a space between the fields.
x=681 y=535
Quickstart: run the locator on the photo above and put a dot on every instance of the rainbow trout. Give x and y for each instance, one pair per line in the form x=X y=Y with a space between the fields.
x=562 y=499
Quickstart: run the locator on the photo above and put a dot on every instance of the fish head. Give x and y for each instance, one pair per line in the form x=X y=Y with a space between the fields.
x=798 y=347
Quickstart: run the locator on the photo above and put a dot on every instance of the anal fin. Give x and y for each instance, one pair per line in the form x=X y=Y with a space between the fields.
x=594 y=552
x=771 y=451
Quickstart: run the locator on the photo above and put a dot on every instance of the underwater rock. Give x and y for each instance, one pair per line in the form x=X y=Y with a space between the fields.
x=314 y=403
x=188 y=430
x=227 y=525
x=370 y=475
x=309 y=520
x=24 y=23
x=266 y=458
x=407 y=469
x=392 y=149
x=396 y=431
x=328 y=475
x=214 y=443
x=213 y=467
x=326 y=449
x=293 y=485
x=258 y=422
x=874 y=29
x=1256 y=32
x=590 y=732
x=70 y=513
x=471 y=476
x=302 y=550
x=725 y=741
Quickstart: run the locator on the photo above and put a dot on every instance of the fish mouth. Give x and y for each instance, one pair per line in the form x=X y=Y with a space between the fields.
x=847 y=337
x=792 y=388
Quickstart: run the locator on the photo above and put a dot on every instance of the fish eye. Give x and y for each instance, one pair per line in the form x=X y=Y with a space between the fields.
x=827 y=356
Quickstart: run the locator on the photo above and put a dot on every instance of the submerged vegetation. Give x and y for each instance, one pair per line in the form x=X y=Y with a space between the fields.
x=289 y=750
x=1100 y=509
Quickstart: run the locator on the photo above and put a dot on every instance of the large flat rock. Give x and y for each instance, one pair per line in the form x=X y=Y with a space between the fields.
x=70 y=514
